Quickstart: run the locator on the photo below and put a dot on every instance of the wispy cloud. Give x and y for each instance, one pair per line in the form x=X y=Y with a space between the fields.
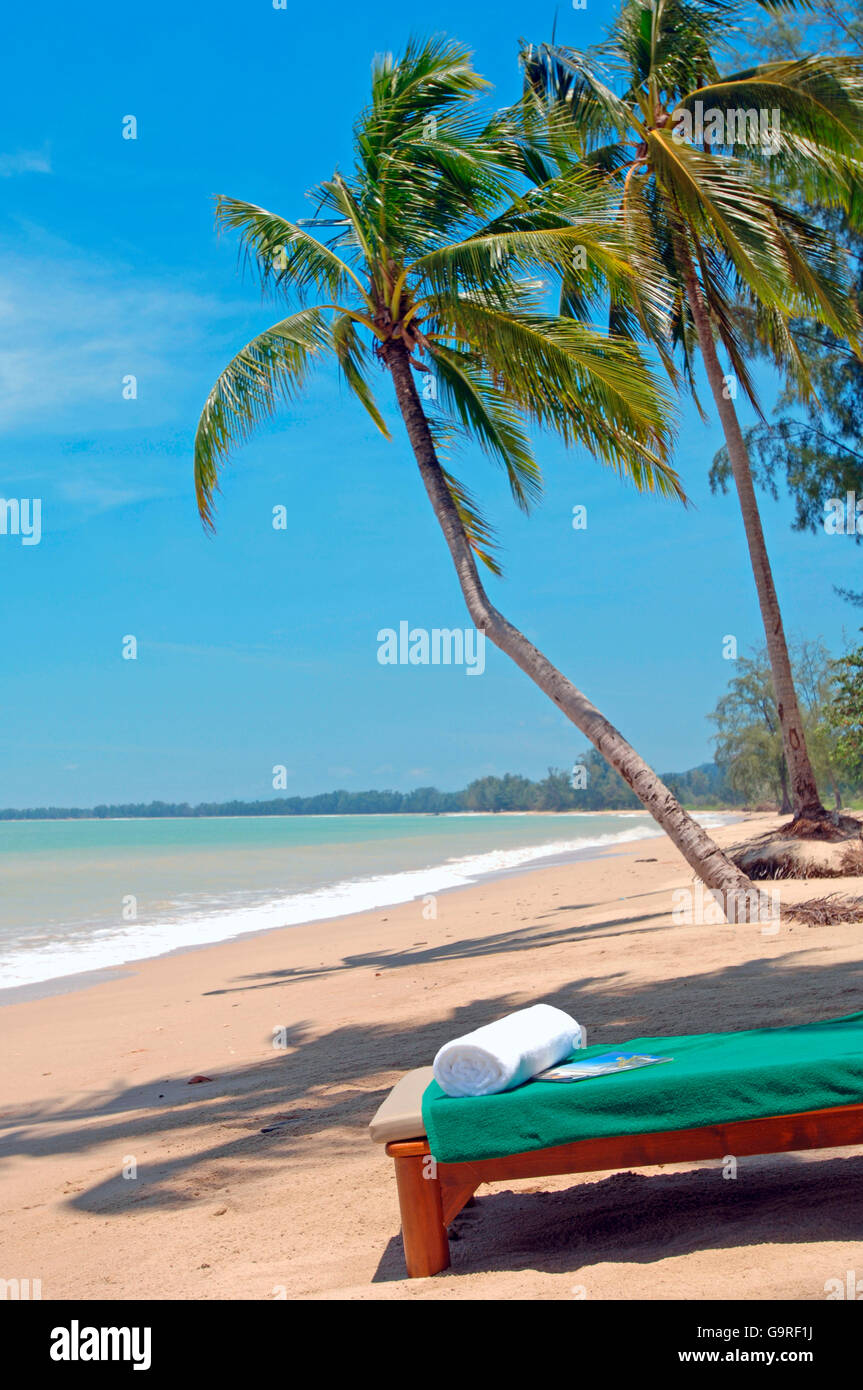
x=95 y=496
x=24 y=162
x=75 y=329
x=235 y=651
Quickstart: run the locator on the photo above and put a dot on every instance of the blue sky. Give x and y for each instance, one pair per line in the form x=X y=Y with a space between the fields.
x=258 y=647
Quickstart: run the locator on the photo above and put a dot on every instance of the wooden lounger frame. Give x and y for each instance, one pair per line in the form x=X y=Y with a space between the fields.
x=431 y=1194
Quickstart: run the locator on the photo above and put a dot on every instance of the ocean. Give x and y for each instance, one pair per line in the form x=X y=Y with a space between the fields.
x=85 y=895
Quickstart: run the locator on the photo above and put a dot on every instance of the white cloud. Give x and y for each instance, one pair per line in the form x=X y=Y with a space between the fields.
x=24 y=162
x=96 y=496
x=73 y=327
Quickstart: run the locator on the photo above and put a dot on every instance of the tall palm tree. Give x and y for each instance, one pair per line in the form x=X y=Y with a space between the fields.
x=428 y=263
x=707 y=205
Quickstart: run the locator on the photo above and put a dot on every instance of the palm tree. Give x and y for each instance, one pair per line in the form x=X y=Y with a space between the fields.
x=706 y=205
x=428 y=263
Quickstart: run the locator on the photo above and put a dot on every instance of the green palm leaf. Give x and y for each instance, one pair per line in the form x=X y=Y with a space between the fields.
x=353 y=360
x=434 y=254
x=271 y=368
x=283 y=253
x=479 y=534
x=568 y=377
x=485 y=412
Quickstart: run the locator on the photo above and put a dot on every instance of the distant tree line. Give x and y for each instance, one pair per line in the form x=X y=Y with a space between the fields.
x=749 y=769
x=591 y=786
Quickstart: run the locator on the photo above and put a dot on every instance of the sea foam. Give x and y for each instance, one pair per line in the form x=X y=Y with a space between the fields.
x=87 y=949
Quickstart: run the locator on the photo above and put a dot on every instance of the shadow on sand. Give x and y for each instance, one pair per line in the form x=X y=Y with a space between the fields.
x=331 y=1084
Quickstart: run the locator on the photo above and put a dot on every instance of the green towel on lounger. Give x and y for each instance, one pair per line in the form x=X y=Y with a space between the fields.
x=715 y=1078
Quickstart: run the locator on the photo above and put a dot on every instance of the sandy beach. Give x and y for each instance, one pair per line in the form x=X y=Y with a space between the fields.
x=97 y=1082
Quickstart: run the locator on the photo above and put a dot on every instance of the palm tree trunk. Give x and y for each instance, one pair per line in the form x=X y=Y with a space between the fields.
x=804 y=790
x=729 y=884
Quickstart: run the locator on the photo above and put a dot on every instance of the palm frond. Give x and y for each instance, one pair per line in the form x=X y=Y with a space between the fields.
x=565 y=81
x=470 y=395
x=570 y=378
x=271 y=368
x=426 y=157
x=284 y=254
x=713 y=197
x=353 y=360
x=818 y=98
x=480 y=535
x=437 y=245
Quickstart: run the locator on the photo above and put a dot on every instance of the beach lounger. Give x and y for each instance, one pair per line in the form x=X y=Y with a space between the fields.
x=765 y=1091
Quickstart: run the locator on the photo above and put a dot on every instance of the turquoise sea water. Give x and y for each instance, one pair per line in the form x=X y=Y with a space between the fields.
x=78 y=896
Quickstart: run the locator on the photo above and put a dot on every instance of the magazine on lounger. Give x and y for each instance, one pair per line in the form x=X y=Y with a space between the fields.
x=607 y=1064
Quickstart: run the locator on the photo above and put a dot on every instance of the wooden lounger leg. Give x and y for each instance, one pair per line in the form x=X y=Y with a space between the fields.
x=423 y=1230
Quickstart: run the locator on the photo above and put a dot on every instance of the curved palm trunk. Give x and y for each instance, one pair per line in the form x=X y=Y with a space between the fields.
x=715 y=869
x=807 y=802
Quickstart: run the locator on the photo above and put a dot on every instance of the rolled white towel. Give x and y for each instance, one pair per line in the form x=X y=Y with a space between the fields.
x=506 y=1053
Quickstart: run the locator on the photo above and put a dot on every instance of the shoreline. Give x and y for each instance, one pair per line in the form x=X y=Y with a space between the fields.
x=369 y=815
x=260 y=1181
x=85 y=979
